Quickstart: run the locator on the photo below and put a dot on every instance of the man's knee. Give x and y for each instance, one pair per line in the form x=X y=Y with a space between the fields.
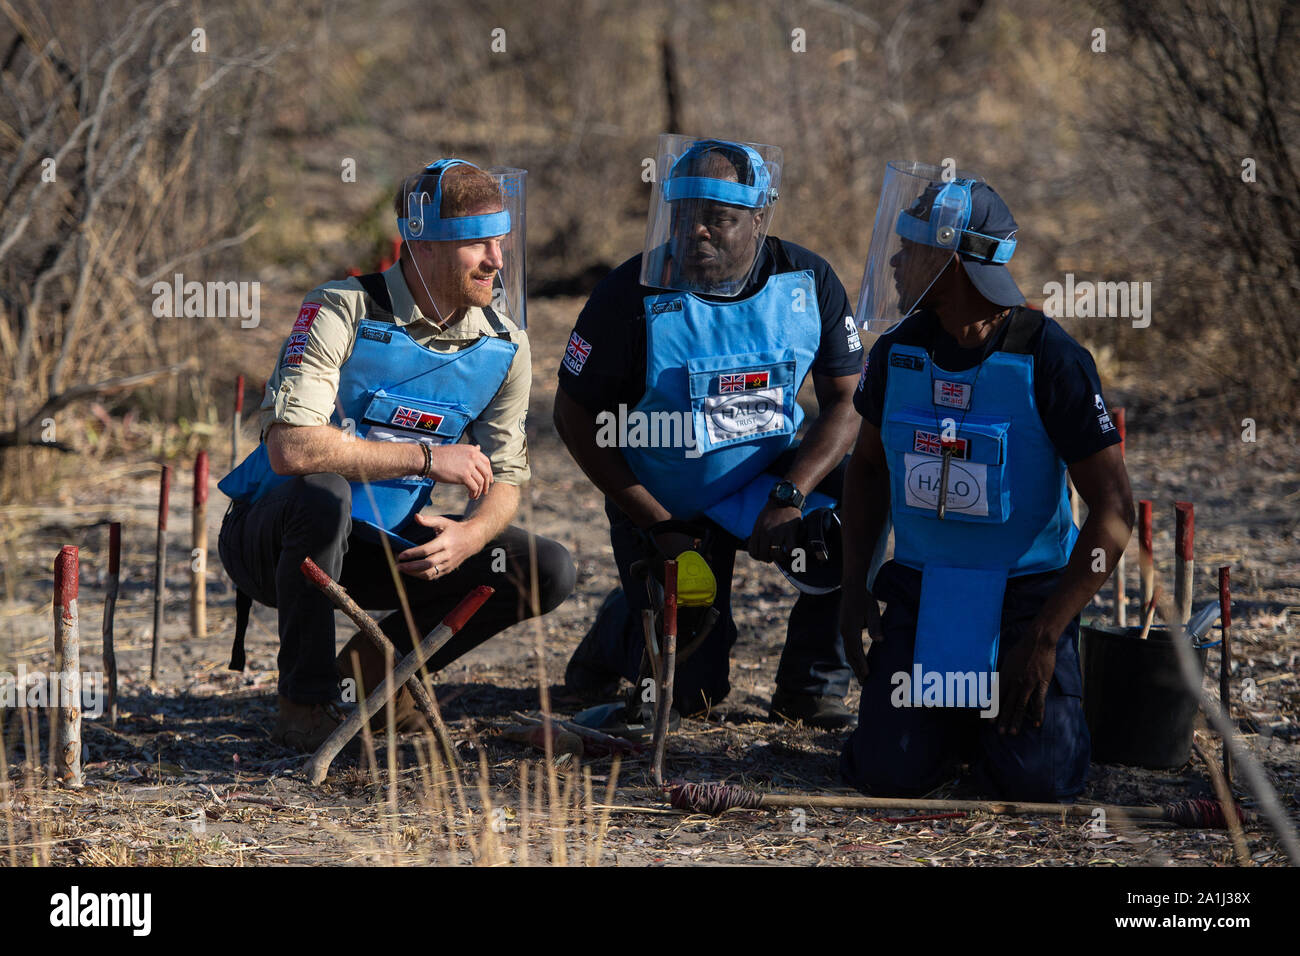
x=556 y=574
x=322 y=504
x=1048 y=763
x=887 y=765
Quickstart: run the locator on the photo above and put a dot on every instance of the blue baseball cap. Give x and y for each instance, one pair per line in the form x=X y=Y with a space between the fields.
x=990 y=217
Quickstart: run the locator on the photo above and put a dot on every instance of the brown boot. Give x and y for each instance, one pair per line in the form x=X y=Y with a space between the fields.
x=370 y=662
x=304 y=727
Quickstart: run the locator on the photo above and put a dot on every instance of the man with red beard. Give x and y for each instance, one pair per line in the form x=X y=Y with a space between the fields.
x=378 y=381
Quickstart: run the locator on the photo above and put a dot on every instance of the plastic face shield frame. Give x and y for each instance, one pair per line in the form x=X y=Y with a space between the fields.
x=681 y=195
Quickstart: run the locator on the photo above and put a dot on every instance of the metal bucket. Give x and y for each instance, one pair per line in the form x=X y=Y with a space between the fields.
x=1139 y=709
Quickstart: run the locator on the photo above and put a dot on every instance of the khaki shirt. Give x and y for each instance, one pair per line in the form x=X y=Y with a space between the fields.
x=304 y=388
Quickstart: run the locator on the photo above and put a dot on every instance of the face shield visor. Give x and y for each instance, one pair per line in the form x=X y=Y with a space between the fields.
x=710 y=210
x=497 y=219
x=920 y=222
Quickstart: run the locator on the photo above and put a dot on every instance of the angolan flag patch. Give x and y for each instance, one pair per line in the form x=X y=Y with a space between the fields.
x=743 y=382
x=404 y=417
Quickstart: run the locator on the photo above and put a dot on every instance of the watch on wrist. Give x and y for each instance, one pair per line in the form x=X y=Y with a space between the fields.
x=786 y=495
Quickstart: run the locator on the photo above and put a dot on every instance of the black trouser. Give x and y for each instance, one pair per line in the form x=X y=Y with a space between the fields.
x=262 y=545
x=908 y=751
x=812 y=660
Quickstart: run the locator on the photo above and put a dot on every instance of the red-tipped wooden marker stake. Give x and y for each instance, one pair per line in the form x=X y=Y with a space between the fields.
x=1225 y=662
x=1183 y=542
x=110 y=606
x=199 y=556
x=160 y=569
x=237 y=423
x=1121 y=568
x=663 y=711
x=67 y=661
x=1146 y=557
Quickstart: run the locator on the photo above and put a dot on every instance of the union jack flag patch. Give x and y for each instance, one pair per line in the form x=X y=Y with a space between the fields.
x=731 y=383
x=952 y=394
x=929 y=443
x=576 y=354
x=405 y=417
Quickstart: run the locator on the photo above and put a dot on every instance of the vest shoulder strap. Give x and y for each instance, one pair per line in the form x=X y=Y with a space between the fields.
x=381 y=303
x=1023 y=325
x=494 y=320
x=780 y=256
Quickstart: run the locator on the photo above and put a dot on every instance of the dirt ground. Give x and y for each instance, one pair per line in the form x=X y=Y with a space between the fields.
x=188 y=775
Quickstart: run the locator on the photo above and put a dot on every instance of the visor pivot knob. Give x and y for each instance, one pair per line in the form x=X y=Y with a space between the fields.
x=945 y=234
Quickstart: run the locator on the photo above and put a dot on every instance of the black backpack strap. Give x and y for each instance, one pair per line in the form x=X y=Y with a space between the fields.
x=377 y=290
x=494 y=320
x=1022 y=326
x=243 y=604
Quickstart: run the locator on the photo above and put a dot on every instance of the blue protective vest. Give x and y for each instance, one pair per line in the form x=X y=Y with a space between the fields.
x=1008 y=509
x=393 y=389
x=733 y=369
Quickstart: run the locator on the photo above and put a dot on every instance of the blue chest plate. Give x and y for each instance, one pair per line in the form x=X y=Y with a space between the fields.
x=721 y=381
x=393 y=389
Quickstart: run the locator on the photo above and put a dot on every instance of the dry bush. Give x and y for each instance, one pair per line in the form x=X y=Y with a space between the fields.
x=121 y=145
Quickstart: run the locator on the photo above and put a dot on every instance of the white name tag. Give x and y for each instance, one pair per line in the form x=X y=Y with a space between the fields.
x=967 y=485
x=744 y=414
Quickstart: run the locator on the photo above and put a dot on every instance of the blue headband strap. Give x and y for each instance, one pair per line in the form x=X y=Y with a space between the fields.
x=756 y=194
x=423 y=221
x=945 y=227
x=718 y=190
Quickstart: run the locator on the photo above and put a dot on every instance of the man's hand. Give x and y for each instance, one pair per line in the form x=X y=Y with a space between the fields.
x=462 y=465
x=775 y=532
x=456 y=541
x=1026 y=674
x=856 y=611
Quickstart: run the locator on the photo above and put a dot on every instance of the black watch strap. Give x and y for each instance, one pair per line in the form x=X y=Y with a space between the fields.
x=785 y=493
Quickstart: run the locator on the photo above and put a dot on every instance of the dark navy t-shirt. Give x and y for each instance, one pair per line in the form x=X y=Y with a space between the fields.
x=1066 y=387
x=604 y=364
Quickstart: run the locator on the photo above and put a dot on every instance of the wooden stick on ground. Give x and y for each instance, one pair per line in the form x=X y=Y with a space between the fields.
x=319 y=765
x=199 y=556
x=367 y=625
x=668 y=668
x=110 y=607
x=714 y=799
x=1225 y=663
x=160 y=570
x=1121 y=585
x=1183 y=540
x=67 y=658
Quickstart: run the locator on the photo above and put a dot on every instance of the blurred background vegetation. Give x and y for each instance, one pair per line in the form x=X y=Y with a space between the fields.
x=1121 y=154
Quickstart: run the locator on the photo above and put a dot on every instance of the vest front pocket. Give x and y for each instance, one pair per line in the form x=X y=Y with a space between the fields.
x=978 y=487
x=742 y=398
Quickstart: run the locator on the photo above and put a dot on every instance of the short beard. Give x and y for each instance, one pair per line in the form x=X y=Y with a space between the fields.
x=474 y=294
